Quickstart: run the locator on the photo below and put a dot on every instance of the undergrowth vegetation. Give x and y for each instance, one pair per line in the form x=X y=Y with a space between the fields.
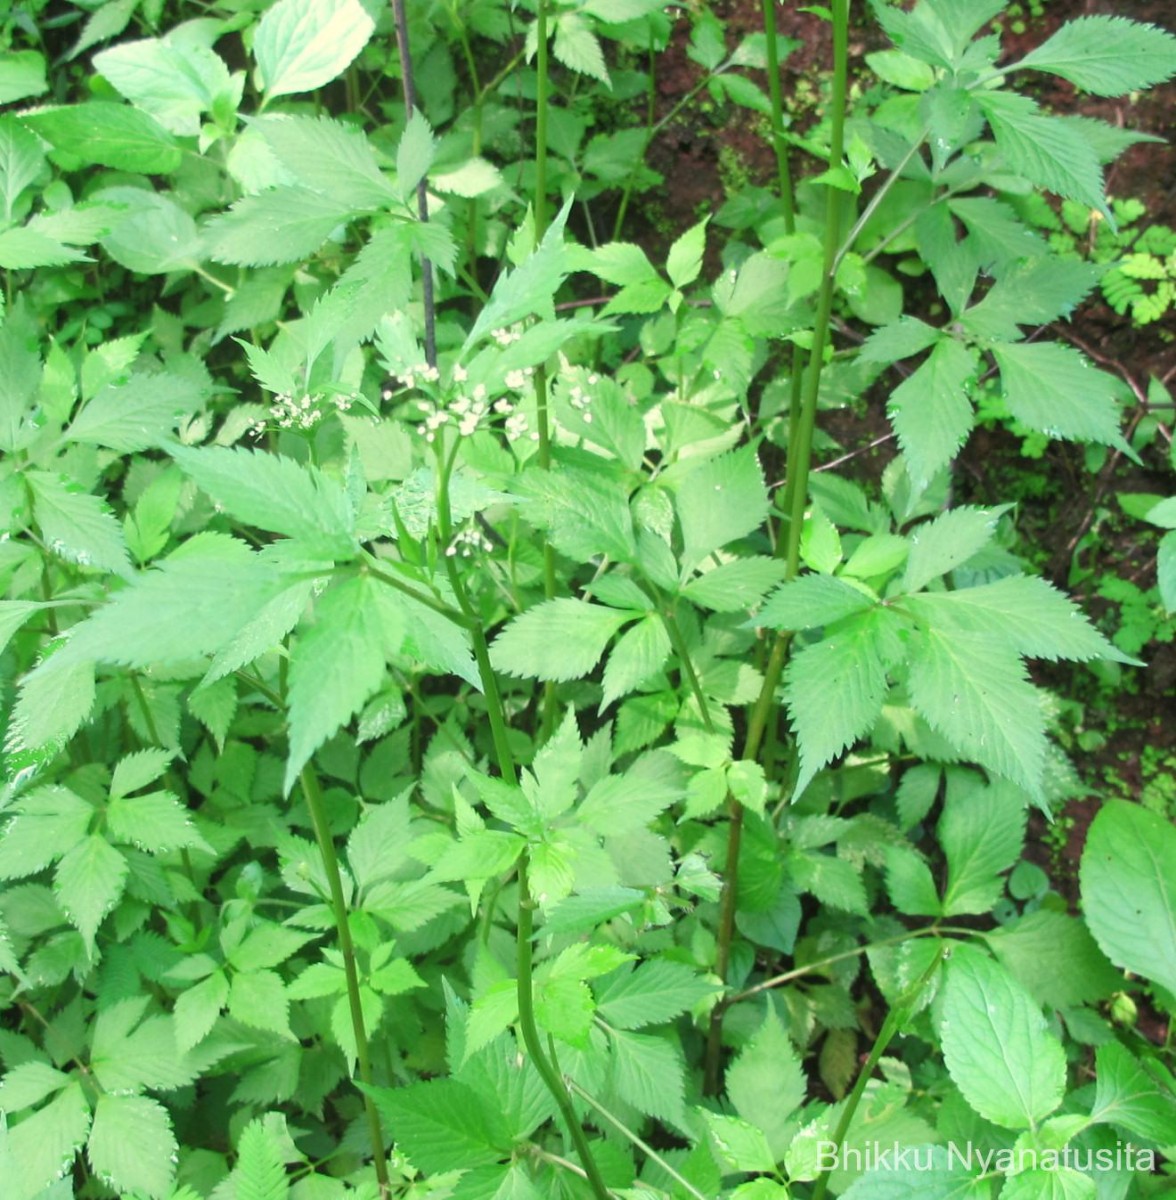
x=459 y=744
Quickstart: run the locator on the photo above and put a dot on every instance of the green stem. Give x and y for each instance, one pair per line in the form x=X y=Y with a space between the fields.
x=326 y=845
x=895 y=1020
x=799 y=465
x=524 y=953
x=547 y=724
x=438 y=606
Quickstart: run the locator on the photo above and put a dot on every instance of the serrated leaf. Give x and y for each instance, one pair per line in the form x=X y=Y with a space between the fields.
x=941 y=545
x=276 y=494
x=24 y=248
x=77 y=526
x=556 y=640
x=997 y=1046
x=578 y=48
x=835 y=689
x=767 y=1083
x=197 y=1008
x=1053 y=389
x=1044 y=150
x=137 y=413
x=1108 y=56
x=685 y=257
x=55 y=700
x=282 y=225
x=443 y=1125
x=132 y=1147
x=260 y=1171
x=28 y=1083
x=302 y=44
x=336 y=665
x=1128 y=878
x=656 y=992
x=719 y=501
x=135 y=771
x=414 y=153
x=736 y=585
x=901 y=339
x=640 y=652
x=739 y=1145
x=258 y=999
x=975 y=692
x=329 y=157
x=41 y=1148
x=647 y=1072
x=619 y=263
x=812 y=601
x=156 y=823
x=191 y=603
x=1128 y=1097
x=21 y=160
x=1025 y=612
x=931 y=411
x=88 y=883
x=111 y=135
x=982 y=830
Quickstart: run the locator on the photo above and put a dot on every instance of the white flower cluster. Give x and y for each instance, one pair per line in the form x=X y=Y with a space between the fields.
x=506 y=337
x=467 y=542
x=581 y=400
x=305 y=411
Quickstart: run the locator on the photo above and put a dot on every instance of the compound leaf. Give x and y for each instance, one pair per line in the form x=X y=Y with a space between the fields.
x=931 y=411
x=1108 y=56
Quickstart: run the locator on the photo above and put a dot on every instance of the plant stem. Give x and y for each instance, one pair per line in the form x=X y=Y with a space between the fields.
x=896 y=1018
x=539 y=208
x=326 y=845
x=799 y=464
x=401 y=19
x=524 y=953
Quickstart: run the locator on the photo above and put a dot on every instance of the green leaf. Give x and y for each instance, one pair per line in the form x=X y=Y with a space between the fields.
x=767 y=1083
x=1166 y=571
x=556 y=640
x=156 y=823
x=619 y=263
x=21 y=160
x=981 y=832
x=1024 y=612
x=137 y=413
x=735 y=586
x=28 y=1083
x=258 y=999
x=1001 y=238
x=337 y=664
x=1044 y=150
x=903 y=338
x=578 y=48
x=974 y=691
x=1053 y=389
x=948 y=541
x=55 y=700
x=132 y=1147
x=1001 y=1054
x=1128 y=1097
x=20 y=375
x=260 y=1172
x=329 y=157
x=135 y=771
x=88 y=883
x=24 y=248
x=42 y=1147
x=1108 y=56
x=648 y=1074
x=282 y=225
x=718 y=501
x=197 y=1008
x=443 y=1125
x=910 y=883
x=414 y=153
x=931 y=410
x=739 y=1145
x=640 y=652
x=22 y=74
x=111 y=135
x=656 y=992
x=685 y=258
x=1128 y=878
x=835 y=689
x=192 y=603
x=302 y=44
x=812 y=601
x=175 y=81
x=77 y=526
x=276 y=494
x=1053 y=956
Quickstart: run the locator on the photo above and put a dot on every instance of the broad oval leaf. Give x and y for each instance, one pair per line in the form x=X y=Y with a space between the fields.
x=302 y=44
